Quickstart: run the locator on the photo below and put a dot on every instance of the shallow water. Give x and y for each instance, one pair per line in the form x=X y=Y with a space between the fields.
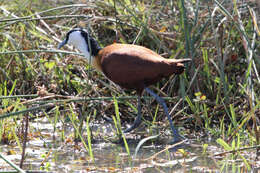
x=47 y=150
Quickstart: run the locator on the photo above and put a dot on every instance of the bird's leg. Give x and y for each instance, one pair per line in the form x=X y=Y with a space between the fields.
x=137 y=121
x=176 y=135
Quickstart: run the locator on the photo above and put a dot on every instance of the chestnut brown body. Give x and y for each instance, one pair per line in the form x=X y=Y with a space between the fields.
x=136 y=67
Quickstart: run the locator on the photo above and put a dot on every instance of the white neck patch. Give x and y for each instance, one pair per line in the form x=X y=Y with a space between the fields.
x=78 y=41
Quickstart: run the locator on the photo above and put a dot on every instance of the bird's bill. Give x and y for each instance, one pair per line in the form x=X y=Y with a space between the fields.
x=62 y=43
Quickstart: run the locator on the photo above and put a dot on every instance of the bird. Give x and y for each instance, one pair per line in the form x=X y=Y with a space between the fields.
x=129 y=66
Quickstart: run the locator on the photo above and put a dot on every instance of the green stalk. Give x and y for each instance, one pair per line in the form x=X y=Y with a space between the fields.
x=119 y=127
x=12 y=164
x=89 y=139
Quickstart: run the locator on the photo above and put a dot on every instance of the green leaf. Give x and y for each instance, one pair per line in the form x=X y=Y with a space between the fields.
x=233 y=115
x=217 y=80
x=49 y=65
x=224 y=144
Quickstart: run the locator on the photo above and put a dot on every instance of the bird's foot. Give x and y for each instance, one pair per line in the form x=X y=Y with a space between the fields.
x=177 y=142
x=177 y=138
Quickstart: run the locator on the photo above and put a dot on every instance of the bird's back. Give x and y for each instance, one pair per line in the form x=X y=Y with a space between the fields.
x=136 y=67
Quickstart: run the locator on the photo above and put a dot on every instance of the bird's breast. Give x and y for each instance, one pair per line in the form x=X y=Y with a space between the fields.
x=96 y=63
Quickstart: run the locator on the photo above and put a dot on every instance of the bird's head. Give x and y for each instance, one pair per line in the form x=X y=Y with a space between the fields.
x=80 y=39
x=74 y=37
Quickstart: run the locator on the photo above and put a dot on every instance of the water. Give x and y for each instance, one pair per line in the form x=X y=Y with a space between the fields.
x=47 y=150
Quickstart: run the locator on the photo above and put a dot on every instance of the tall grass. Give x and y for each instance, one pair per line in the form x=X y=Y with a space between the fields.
x=219 y=89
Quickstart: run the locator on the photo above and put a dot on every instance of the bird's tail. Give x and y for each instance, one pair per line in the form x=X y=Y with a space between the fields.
x=178 y=65
x=181 y=60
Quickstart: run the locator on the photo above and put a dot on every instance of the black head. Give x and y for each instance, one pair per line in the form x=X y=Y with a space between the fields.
x=80 y=38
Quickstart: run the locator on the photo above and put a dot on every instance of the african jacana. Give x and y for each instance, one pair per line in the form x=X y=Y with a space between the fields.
x=129 y=66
